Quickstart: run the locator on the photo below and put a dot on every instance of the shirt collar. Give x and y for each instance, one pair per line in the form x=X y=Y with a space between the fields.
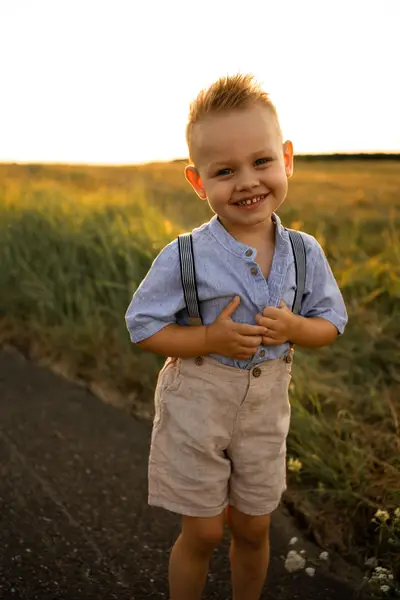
x=232 y=245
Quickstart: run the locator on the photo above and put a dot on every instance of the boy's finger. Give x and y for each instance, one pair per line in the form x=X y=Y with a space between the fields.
x=243 y=329
x=230 y=308
x=268 y=323
x=259 y=319
x=250 y=341
x=270 y=341
x=271 y=312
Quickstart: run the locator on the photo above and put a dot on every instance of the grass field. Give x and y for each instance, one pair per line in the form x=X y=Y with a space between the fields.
x=76 y=241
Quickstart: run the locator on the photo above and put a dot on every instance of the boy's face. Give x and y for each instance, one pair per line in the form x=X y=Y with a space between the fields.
x=241 y=166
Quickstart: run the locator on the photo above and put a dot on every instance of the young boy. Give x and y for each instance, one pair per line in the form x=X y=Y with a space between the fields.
x=221 y=404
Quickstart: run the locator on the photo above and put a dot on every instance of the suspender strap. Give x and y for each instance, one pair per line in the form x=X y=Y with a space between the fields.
x=299 y=252
x=188 y=275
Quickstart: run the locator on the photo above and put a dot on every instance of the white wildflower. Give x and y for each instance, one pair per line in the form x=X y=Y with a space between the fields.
x=302 y=552
x=310 y=571
x=397 y=513
x=385 y=588
x=294 y=562
x=324 y=556
x=293 y=541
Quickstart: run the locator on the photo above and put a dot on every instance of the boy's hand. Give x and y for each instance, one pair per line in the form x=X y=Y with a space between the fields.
x=279 y=323
x=235 y=340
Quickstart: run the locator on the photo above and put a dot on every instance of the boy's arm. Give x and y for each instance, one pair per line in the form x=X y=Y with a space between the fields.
x=323 y=311
x=283 y=326
x=151 y=318
x=178 y=341
x=224 y=336
x=312 y=332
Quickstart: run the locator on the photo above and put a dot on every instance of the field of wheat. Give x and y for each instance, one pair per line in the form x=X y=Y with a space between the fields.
x=75 y=242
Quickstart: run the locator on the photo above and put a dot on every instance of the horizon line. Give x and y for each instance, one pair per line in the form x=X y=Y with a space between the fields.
x=320 y=155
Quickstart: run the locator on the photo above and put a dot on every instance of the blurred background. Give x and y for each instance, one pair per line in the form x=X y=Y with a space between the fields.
x=93 y=107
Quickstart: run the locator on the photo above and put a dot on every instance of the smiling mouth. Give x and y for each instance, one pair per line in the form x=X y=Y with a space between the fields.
x=251 y=201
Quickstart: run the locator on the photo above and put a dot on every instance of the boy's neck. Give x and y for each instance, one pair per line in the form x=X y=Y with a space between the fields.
x=262 y=233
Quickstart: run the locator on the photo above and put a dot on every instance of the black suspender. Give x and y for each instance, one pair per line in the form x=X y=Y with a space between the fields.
x=188 y=273
x=188 y=276
x=299 y=253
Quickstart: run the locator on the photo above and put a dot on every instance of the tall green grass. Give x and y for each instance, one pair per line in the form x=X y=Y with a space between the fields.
x=76 y=242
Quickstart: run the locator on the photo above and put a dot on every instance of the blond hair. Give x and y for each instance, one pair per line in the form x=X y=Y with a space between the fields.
x=232 y=92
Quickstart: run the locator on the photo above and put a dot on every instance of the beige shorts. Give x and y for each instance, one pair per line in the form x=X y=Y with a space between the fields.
x=219 y=437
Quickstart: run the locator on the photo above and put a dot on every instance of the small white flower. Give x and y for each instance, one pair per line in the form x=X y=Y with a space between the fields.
x=293 y=541
x=324 y=556
x=397 y=513
x=294 y=562
x=390 y=577
x=302 y=552
x=385 y=588
x=310 y=571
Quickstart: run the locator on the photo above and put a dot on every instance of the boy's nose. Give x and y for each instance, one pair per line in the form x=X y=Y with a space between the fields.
x=246 y=179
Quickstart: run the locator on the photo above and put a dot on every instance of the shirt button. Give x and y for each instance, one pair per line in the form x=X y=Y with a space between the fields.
x=262 y=353
x=198 y=361
x=254 y=271
x=256 y=372
x=249 y=252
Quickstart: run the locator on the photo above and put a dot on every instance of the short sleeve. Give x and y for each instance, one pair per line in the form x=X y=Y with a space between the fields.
x=158 y=298
x=322 y=294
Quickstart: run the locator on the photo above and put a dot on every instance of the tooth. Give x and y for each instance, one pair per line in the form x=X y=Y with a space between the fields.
x=248 y=201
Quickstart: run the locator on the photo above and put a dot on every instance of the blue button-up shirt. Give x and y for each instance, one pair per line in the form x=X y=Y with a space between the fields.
x=224 y=270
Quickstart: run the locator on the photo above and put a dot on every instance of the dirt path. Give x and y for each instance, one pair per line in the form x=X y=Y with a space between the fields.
x=74 y=521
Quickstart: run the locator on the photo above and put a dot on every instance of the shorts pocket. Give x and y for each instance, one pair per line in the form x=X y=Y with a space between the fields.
x=171 y=377
x=169 y=381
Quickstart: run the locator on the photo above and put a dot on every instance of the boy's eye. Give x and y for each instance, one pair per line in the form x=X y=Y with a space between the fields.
x=224 y=172
x=263 y=161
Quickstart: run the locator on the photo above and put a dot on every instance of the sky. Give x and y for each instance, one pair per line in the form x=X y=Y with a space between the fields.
x=110 y=82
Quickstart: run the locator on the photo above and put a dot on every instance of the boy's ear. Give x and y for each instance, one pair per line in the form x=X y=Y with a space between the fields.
x=193 y=177
x=288 y=157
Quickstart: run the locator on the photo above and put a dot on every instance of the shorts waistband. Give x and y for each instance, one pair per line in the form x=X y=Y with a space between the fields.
x=213 y=367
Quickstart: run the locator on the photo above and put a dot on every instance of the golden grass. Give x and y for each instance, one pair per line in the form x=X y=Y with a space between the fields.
x=76 y=241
